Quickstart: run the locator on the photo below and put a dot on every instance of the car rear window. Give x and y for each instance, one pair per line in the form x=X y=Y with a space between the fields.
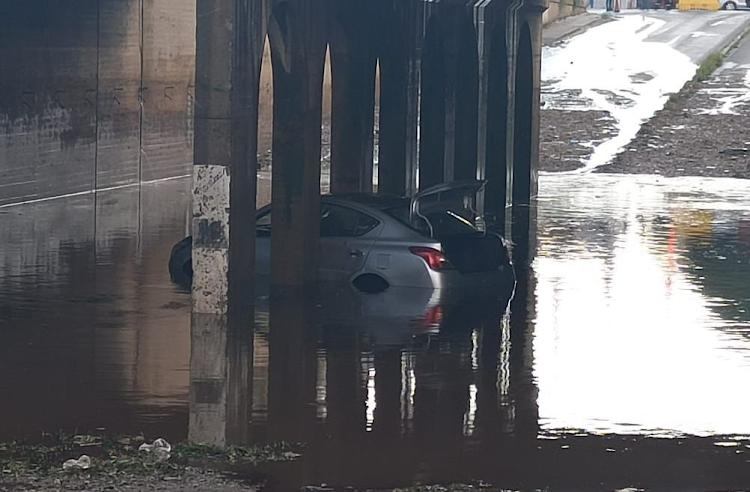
x=444 y=222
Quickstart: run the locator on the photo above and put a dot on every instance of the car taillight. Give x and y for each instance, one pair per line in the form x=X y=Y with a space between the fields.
x=435 y=259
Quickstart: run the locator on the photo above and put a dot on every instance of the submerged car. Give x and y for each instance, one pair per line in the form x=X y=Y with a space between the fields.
x=432 y=240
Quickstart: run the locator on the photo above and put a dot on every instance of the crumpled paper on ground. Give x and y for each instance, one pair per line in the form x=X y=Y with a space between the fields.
x=161 y=450
x=82 y=463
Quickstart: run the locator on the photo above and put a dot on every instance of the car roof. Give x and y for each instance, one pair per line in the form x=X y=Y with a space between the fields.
x=379 y=202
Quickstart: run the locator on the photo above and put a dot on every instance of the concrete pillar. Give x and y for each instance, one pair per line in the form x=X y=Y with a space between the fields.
x=353 y=96
x=221 y=362
x=416 y=15
x=433 y=106
x=388 y=388
x=346 y=395
x=523 y=115
x=229 y=47
x=394 y=96
x=493 y=114
x=298 y=46
x=466 y=100
x=451 y=58
x=292 y=365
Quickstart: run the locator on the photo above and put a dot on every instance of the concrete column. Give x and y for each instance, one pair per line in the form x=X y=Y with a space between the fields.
x=227 y=71
x=493 y=115
x=523 y=115
x=450 y=77
x=298 y=46
x=526 y=133
x=353 y=97
x=415 y=14
x=388 y=388
x=481 y=17
x=346 y=394
x=221 y=362
x=208 y=384
x=433 y=106
x=292 y=365
x=534 y=18
x=394 y=77
x=467 y=99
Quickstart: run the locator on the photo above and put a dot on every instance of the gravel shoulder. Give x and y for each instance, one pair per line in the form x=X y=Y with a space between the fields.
x=703 y=131
x=568 y=137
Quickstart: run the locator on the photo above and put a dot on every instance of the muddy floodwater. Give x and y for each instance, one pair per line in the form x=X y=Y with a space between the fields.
x=623 y=361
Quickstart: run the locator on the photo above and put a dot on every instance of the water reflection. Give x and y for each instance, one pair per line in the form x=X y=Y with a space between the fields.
x=629 y=319
x=91 y=335
x=653 y=271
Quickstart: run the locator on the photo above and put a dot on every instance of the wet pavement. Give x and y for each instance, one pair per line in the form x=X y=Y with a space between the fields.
x=702 y=132
x=598 y=88
x=622 y=362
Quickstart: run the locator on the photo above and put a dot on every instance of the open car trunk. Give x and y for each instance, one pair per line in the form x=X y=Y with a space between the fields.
x=448 y=212
x=459 y=197
x=475 y=252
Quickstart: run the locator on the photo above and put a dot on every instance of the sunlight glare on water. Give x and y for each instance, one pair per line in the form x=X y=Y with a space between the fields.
x=628 y=337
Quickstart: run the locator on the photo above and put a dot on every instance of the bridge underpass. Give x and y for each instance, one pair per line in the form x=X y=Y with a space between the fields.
x=99 y=94
x=458 y=98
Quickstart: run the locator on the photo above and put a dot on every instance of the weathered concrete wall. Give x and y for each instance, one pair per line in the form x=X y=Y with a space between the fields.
x=93 y=94
x=559 y=9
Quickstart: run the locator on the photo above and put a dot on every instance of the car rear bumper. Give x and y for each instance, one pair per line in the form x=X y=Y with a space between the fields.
x=456 y=280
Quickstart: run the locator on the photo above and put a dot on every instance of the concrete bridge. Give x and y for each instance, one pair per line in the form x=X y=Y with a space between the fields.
x=96 y=94
x=459 y=98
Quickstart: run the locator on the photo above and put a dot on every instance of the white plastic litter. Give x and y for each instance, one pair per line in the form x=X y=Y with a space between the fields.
x=82 y=463
x=161 y=450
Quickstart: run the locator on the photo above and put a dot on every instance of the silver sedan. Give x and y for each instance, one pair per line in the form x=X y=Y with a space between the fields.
x=432 y=240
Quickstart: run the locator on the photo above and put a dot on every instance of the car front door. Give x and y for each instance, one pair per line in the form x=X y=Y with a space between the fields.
x=346 y=238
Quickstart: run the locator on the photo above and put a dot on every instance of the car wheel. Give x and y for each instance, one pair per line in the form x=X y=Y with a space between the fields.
x=181 y=262
x=730 y=6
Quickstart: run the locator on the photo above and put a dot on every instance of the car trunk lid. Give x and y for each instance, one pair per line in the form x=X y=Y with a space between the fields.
x=460 y=197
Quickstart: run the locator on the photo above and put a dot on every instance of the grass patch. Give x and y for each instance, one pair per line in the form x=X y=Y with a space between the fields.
x=120 y=455
x=709 y=66
x=704 y=71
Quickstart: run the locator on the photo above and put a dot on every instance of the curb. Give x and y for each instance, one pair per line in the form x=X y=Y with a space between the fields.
x=736 y=36
x=732 y=39
x=596 y=21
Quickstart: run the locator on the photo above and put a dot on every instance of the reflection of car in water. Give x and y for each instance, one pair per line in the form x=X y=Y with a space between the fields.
x=394 y=317
x=433 y=240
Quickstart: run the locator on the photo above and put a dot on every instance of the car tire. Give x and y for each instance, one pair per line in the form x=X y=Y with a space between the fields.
x=181 y=262
x=730 y=6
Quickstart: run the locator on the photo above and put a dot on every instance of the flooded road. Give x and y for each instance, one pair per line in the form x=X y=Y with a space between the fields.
x=622 y=362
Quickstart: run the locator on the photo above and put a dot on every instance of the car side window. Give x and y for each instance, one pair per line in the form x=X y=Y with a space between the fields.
x=263 y=225
x=336 y=221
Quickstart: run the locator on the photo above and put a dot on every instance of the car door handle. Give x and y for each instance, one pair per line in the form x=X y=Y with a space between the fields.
x=354 y=253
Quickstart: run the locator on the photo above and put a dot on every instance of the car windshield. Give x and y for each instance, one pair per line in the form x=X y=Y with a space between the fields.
x=444 y=222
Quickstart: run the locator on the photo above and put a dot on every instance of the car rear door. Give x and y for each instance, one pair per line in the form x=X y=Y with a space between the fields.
x=346 y=238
